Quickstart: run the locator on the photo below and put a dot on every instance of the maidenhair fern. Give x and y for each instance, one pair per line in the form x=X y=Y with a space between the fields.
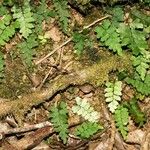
x=141 y=62
x=61 y=8
x=135 y=112
x=59 y=118
x=24 y=16
x=87 y=129
x=84 y=109
x=113 y=94
x=122 y=118
x=108 y=35
x=7 y=29
x=27 y=49
x=141 y=86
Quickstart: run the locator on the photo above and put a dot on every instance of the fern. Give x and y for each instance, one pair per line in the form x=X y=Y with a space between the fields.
x=61 y=8
x=25 y=19
x=135 y=112
x=87 y=129
x=141 y=86
x=122 y=118
x=26 y=49
x=1 y=65
x=40 y=14
x=141 y=63
x=107 y=34
x=84 y=109
x=133 y=37
x=7 y=29
x=79 y=40
x=58 y=116
x=113 y=94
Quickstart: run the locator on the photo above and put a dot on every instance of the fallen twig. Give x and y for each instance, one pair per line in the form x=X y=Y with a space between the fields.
x=26 y=128
x=69 y=40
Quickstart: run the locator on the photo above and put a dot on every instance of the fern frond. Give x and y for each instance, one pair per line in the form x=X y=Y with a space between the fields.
x=135 y=112
x=27 y=49
x=141 y=86
x=141 y=62
x=25 y=19
x=59 y=118
x=133 y=37
x=107 y=33
x=84 y=109
x=7 y=29
x=113 y=94
x=87 y=129
x=61 y=8
x=122 y=118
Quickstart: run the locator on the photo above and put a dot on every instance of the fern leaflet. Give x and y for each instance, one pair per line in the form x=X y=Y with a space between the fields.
x=7 y=29
x=26 y=49
x=107 y=34
x=132 y=37
x=135 y=112
x=141 y=86
x=87 y=129
x=113 y=94
x=84 y=109
x=59 y=118
x=25 y=19
x=122 y=118
x=62 y=11
x=141 y=62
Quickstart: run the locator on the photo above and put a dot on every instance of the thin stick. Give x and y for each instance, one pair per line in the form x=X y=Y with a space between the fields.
x=69 y=40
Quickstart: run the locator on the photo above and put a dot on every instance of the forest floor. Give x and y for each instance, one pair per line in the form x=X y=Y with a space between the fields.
x=28 y=94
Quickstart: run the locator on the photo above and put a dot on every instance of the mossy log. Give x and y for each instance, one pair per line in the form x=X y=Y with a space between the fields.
x=95 y=74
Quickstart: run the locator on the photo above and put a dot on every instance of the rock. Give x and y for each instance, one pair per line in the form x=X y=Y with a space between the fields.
x=87 y=88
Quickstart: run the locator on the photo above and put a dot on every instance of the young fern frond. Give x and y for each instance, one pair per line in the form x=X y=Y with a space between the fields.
x=122 y=118
x=25 y=19
x=87 y=129
x=59 y=117
x=113 y=94
x=84 y=109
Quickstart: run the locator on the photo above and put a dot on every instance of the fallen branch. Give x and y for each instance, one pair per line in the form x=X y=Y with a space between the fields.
x=26 y=128
x=69 y=40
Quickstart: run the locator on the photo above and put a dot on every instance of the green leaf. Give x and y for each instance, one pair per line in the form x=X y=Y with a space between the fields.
x=107 y=34
x=135 y=112
x=24 y=16
x=84 y=109
x=141 y=86
x=61 y=8
x=133 y=38
x=122 y=119
x=59 y=117
x=1 y=65
x=113 y=94
x=87 y=129
x=27 y=49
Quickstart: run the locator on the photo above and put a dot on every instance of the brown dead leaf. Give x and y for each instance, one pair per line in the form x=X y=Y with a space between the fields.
x=53 y=34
